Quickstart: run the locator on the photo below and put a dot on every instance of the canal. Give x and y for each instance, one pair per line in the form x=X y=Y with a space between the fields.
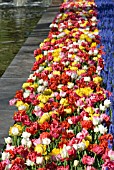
x=16 y=24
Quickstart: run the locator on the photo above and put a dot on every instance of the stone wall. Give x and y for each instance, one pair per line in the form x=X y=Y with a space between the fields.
x=57 y=2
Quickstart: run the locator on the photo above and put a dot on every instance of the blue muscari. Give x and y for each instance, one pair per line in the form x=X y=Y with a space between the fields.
x=105 y=25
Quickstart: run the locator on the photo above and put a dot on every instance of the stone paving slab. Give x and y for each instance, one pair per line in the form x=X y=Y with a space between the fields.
x=20 y=68
x=11 y=84
x=4 y=99
x=6 y=120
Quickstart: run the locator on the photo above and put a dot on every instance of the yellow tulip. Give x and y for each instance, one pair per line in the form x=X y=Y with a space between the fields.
x=53 y=41
x=41 y=105
x=48 y=68
x=68 y=111
x=47 y=92
x=55 y=151
x=45 y=117
x=84 y=91
x=43 y=98
x=38 y=57
x=97 y=79
x=89 y=110
x=40 y=149
x=73 y=68
x=86 y=142
x=89 y=138
x=64 y=102
x=26 y=85
x=56 y=72
x=66 y=31
x=79 y=72
x=19 y=103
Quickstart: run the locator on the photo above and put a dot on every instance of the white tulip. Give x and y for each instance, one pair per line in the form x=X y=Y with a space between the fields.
x=102 y=108
x=51 y=25
x=8 y=140
x=45 y=83
x=70 y=121
x=40 y=81
x=71 y=50
x=102 y=129
x=64 y=153
x=67 y=63
x=69 y=131
x=41 y=68
x=85 y=118
x=54 y=36
x=15 y=131
x=60 y=29
x=75 y=146
x=45 y=52
x=22 y=107
x=90 y=52
x=76 y=162
x=96 y=129
x=95 y=52
x=70 y=85
x=40 y=89
x=26 y=94
x=29 y=162
x=75 y=50
x=68 y=148
x=81 y=146
x=5 y=155
x=88 y=28
x=62 y=34
x=39 y=160
x=50 y=76
x=31 y=76
x=60 y=86
x=93 y=24
x=29 y=144
x=73 y=75
x=85 y=67
x=24 y=142
x=87 y=79
x=70 y=45
x=69 y=55
x=26 y=135
x=107 y=103
x=9 y=147
x=74 y=43
x=55 y=25
x=93 y=18
x=96 y=120
x=8 y=166
x=46 y=141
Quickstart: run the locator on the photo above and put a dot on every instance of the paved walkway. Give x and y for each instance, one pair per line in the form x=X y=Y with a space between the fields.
x=20 y=67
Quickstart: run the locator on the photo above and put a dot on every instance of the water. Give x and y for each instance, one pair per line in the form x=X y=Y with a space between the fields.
x=16 y=25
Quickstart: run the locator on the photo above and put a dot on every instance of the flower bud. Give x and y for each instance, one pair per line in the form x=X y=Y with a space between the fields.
x=76 y=162
x=8 y=140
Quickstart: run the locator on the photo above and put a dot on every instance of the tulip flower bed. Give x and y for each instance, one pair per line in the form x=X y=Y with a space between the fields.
x=61 y=122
